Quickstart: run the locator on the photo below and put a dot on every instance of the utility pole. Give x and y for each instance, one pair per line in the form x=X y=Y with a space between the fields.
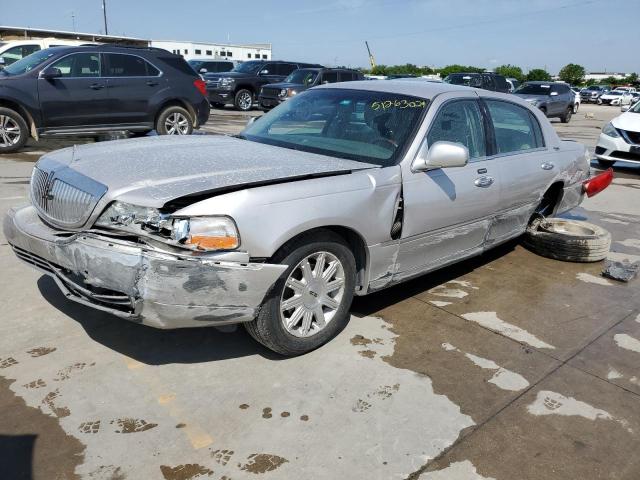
x=73 y=20
x=104 y=14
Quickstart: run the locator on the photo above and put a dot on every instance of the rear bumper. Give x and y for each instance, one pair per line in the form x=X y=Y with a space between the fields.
x=221 y=96
x=140 y=283
x=203 y=110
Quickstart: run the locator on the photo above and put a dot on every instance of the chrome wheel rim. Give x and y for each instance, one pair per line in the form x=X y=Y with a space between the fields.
x=177 y=124
x=244 y=101
x=312 y=294
x=9 y=131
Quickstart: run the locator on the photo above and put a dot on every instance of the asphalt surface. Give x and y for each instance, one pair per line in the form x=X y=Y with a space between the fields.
x=507 y=366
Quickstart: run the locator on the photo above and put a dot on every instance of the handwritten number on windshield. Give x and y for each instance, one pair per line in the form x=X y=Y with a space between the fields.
x=402 y=104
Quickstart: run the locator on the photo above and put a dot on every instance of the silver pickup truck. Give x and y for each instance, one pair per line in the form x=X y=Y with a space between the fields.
x=342 y=190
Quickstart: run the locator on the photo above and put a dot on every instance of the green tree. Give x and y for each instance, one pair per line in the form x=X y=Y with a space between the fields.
x=632 y=78
x=611 y=81
x=572 y=73
x=449 y=69
x=510 y=71
x=538 y=74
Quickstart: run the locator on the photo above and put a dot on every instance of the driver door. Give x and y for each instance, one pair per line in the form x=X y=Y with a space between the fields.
x=448 y=211
x=78 y=96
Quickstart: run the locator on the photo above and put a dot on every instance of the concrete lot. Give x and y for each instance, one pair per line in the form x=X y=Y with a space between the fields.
x=508 y=366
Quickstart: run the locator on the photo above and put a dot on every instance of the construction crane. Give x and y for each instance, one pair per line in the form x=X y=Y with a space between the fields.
x=372 y=60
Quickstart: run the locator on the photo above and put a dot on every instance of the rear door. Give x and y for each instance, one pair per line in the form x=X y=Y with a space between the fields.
x=524 y=162
x=132 y=83
x=77 y=98
x=448 y=211
x=329 y=76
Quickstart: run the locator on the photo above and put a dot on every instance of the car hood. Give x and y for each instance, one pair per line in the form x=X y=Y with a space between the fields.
x=152 y=171
x=627 y=121
x=215 y=76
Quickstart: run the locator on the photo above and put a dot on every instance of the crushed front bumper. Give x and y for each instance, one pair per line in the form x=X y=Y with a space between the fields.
x=139 y=282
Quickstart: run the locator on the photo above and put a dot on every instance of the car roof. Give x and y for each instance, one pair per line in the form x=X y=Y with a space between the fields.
x=426 y=90
x=113 y=48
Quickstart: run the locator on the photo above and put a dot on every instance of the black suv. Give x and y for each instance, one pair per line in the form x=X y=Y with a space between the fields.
x=486 y=81
x=99 y=88
x=274 y=94
x=241 y=86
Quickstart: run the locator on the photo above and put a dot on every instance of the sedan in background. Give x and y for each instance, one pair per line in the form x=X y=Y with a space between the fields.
x=616 y=97
x=620 y=139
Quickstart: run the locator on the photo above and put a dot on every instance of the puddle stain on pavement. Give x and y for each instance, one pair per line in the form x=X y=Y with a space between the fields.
x=491 y=321
x=262 y=463
x=41 y=351
x=133 y=425
x=187 y=471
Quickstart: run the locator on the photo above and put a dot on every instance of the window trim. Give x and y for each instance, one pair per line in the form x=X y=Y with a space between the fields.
x=102 y=62
x=56 y=60
x=478 y=101
x=131 y=76
x=532 y=116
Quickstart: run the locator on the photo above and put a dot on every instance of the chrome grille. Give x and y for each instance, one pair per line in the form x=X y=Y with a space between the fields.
x=59 y=201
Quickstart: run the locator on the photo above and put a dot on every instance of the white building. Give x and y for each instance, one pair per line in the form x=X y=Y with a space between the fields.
x=598 y=76
x=196 y=50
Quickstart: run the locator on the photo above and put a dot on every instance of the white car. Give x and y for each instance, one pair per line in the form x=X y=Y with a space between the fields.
x=620 y=139
x=624 y=89
x=14 y=50
x=576 y=103
x=616 y=97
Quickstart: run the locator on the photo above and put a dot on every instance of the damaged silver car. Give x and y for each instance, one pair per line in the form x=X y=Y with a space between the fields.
x=342 y=190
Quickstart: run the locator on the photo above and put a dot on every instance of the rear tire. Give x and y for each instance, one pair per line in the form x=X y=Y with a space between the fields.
x=174 y=120
x=276 y=327
x=14 y=131
x=567 y=240
x=566 y=117
x=243 y=100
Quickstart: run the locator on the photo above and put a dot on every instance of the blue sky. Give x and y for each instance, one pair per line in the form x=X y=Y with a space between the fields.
x=486 y=33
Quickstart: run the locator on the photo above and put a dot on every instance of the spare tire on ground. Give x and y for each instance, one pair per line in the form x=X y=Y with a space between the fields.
x=568 y=240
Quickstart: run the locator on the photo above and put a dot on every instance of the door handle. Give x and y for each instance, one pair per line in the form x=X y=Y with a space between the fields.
x=547 y=166
x=96 y=86
x=484 y=182
x=152 y=83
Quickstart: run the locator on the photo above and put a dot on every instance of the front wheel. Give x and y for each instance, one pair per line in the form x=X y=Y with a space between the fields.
x=309 y=304
x=243 y=100
x=174 y=121
x=13 y=131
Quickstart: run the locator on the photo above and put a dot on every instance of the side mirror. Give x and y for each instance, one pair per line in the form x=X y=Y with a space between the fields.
x=203 y=70
x=2 y=61
x=251 y=121
x=440 y=155
x=50 y=73
x=264 y=72
x=554 y=94
x=625 y=108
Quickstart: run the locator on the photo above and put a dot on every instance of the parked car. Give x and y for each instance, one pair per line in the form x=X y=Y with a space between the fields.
x=485 y=81
x=211 y=66
x=273 y=94
x=342 y=190
x=14 y=50
x=241 y=86
x=615 y=97
x=592 y=93
x=625 y=89
x=93 y=89
x=620 y=139
x=553 y=99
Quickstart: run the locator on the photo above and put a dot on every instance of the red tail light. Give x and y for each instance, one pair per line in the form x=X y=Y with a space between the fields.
x=201 y=86
x=596 y=184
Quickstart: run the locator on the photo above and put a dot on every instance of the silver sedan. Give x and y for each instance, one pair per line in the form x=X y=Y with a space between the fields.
x=345 y=189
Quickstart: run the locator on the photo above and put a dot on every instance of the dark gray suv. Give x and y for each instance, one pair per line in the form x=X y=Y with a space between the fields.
x=553 y=99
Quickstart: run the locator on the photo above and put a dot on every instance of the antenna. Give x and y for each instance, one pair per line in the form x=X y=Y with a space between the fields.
x=104 y=14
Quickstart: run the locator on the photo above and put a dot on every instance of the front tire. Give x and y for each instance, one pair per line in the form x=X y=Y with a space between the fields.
x=14 y=131
x=174 y=121
x=309 y=304
x=243 y=100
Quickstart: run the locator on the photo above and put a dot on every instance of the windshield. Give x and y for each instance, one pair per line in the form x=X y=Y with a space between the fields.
x=248 y=67
x=594 y=88
x=195 y=64
x=302 y=77
x=463 y=79
x=29 y=62
x=615 y=94
x=534 y=89
x=370 y=127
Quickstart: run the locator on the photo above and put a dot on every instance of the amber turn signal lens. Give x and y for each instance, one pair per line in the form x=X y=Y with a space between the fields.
x=211 y=243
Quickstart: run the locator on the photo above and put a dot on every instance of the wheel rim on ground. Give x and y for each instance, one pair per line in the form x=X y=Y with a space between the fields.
x=312 y=294
x=9 y=131
x=244 y=101
x=177 y=124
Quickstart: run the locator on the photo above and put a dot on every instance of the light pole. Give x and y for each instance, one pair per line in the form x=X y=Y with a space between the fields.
x=104 y=14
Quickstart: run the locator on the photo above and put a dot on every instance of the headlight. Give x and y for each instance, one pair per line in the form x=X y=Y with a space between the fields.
x=227 y=82
x=610 y=130
x=194 y=233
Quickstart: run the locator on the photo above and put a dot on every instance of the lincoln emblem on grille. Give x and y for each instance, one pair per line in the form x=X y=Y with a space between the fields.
x=46 y=191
